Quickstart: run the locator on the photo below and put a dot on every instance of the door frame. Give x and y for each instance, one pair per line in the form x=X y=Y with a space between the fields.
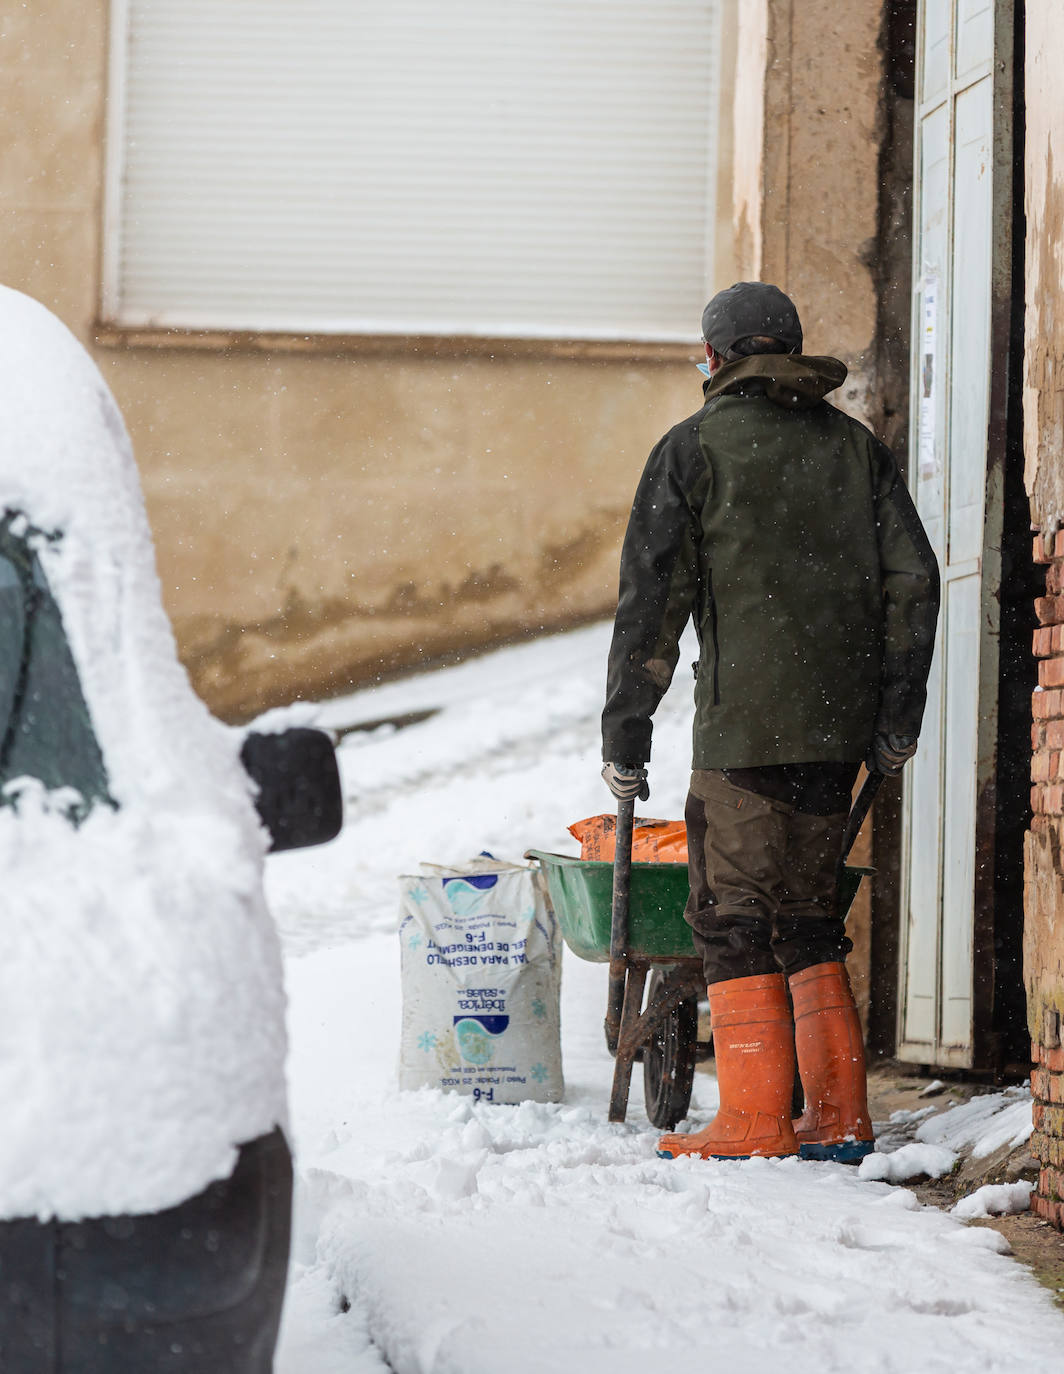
x=981 y=1052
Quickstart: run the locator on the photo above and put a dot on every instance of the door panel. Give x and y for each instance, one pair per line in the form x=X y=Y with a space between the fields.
x=933 y=287
x=936 y=53
x=970 y=343
x=975 y=34
x=958 y=809
x=920 y=1007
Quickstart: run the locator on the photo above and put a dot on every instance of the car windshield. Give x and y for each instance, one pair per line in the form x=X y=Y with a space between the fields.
x=45 y=728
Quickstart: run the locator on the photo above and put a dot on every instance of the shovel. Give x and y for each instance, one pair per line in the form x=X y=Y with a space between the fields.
x=622 y=881
x=861 y=808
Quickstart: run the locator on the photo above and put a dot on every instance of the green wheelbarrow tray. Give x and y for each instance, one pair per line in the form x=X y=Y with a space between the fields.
x=581 y=892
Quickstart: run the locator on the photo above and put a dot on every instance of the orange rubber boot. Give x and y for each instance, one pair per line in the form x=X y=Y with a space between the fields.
x=754 y=1049
x=827 y=1035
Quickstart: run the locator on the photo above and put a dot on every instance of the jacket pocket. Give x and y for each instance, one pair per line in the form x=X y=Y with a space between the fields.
x=710 y=640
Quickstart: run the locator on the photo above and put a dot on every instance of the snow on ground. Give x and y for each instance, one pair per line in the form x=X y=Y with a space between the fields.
x=930 y=1142
x=910 y=1161
x=995 y=1200
x=983 y=1125
x=438 y=1236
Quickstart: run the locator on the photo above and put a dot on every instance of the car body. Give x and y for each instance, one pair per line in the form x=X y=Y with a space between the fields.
x=142 y=1035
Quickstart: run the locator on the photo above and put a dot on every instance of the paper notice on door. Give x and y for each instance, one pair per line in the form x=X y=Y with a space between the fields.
x=928 y=464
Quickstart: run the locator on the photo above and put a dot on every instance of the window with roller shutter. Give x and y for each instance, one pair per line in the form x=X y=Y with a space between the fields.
x=528 y=169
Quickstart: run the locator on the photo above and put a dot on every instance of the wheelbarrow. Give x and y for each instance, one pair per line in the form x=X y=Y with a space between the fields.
x=630 y=915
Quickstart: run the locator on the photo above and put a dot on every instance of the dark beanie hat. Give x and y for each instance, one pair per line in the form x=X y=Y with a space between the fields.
x=749 y=308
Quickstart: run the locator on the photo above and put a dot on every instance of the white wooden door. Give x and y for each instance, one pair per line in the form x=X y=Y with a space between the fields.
x=959 y=180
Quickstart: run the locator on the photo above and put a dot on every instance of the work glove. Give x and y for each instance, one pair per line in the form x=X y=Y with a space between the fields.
x=625 y=783
x=890 y=753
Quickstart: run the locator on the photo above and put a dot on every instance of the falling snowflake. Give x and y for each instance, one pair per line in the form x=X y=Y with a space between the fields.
x=539 y=1007
x=426 y=1041
x=415 y=940
x=419 y=894
x=539 y=1072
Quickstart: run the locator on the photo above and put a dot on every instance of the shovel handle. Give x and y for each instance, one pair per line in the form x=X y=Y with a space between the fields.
x=622 y=882
x=861 y=807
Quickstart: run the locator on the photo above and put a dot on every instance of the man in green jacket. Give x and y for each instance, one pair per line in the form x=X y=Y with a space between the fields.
x=783 y=527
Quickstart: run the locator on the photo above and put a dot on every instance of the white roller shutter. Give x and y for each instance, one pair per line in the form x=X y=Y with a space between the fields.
x=523 y=168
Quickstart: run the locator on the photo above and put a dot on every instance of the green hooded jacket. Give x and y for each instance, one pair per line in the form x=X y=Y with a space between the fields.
x=783 y=527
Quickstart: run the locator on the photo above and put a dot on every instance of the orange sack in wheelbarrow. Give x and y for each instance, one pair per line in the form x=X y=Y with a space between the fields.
x=653 y=842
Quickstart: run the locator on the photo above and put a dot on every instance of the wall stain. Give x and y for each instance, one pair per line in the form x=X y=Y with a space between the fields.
x=1043 y=382
x=1043 y=949
x=329 y=645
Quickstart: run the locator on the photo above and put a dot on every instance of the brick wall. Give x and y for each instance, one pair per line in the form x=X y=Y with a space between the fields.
x=1047 y=729
x=1047 y=1143
x=1044 y=887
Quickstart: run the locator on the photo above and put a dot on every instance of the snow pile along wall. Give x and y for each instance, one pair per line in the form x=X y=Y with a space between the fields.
x=481 y=980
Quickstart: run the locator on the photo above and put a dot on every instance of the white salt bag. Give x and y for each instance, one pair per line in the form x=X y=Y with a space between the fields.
x=481 y=972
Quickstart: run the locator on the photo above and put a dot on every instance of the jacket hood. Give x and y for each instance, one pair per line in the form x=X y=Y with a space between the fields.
x=790 y=379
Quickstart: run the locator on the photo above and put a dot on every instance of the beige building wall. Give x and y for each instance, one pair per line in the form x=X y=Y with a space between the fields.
x=1043 y=365
x=809 y=130
x=325 y=516
x=807 y=158
x=1043 y=434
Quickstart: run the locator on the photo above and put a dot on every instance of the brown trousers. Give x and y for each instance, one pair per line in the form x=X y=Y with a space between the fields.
x=764 y=872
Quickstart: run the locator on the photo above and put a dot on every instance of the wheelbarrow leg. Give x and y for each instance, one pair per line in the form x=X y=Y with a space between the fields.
x=627 y=1041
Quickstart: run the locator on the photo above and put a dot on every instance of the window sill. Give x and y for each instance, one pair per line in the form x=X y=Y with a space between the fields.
x=395 y=345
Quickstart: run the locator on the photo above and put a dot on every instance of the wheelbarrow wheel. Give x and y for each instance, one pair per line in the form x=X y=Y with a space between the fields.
x=669 y=1057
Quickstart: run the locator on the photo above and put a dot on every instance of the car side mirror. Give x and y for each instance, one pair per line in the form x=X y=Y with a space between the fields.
x=299 y=799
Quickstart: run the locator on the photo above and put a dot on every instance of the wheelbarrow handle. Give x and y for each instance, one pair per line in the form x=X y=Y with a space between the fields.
x=861 y=807
x=622 y=883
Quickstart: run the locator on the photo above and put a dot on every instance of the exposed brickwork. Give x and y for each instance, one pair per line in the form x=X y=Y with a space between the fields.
x=1047 y=1142
x=1044 y=899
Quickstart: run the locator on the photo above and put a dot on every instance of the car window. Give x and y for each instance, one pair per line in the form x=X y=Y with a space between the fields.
x=11 y=626
x=45 y=727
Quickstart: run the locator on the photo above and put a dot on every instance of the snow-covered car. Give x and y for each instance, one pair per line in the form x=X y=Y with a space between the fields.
x=145 y=1179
